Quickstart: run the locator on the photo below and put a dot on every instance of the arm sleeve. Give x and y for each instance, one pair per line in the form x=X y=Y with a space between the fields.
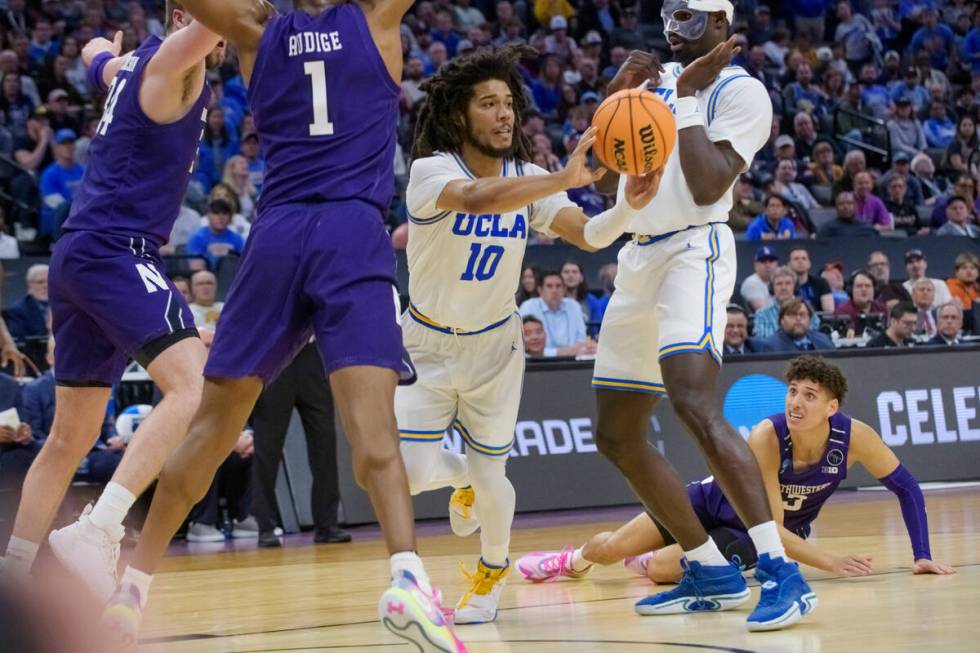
x=913 y=504
x=740 y=112
x=426 y=181
x=542 y=213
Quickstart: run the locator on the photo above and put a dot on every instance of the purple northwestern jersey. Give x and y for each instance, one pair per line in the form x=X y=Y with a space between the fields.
x=803 y=493
x=325 y=108
x=137 y=169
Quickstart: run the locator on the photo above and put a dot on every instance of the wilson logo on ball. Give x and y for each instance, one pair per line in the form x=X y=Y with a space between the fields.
x=635 y=132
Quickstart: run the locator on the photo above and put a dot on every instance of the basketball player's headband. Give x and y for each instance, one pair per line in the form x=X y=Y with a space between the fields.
x=689 y=18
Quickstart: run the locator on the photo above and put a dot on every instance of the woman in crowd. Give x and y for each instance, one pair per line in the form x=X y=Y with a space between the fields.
x=823 y=169
x=238 y=179
x=530 y=283
x=964 y=286
x=963 y=146
x=577 y=288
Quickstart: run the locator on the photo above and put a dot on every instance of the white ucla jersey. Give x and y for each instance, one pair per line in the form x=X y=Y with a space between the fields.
x=737 y=109
x=463 y=269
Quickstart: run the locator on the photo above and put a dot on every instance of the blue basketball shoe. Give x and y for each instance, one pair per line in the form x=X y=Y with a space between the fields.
x=703 y=588
x=785 y=596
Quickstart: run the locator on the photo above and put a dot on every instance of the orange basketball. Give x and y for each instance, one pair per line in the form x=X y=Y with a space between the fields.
x=635 y=132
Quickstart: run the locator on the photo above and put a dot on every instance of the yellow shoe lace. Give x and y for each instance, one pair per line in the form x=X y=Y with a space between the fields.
x=462 y=500
x=481 y=581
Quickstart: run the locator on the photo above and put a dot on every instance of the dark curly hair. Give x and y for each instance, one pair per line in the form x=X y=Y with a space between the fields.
x=441 y=125
x=818 y=370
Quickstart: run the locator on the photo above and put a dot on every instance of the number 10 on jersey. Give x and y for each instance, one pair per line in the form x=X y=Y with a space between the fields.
x=481 y=268
x=321 y=125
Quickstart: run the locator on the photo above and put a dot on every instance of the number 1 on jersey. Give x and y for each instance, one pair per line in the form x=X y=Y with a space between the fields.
x=321 y=125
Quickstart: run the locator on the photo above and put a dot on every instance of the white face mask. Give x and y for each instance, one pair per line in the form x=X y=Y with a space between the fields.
x=683 y=21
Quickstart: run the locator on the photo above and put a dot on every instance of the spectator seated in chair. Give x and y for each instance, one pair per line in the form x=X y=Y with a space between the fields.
x=737 y=340
x=783 y=289
x=564 y=325
x=861 y=302
x=845 y=224
x=216 y=240
x=795 y=334
x=964 y=286
x=916 y=266
x=949 y=324
x=901 y=326
x=28 y=318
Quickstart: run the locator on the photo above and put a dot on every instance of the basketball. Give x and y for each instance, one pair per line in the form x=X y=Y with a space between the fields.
x=635 y=132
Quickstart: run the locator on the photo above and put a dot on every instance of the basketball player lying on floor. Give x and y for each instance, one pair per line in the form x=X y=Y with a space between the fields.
x=804 y=454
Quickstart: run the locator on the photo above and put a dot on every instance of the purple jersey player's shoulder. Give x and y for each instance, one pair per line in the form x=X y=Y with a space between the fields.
x=804 y=492
x=137 y=169
x=326 y=109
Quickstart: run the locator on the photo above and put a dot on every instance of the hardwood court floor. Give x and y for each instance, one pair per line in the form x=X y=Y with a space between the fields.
x=323 y=598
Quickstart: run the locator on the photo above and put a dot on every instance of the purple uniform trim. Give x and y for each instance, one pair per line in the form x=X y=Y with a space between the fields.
x=110 y=301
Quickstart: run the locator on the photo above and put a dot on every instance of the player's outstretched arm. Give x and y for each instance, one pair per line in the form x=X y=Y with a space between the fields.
x=573 y=226
x=240 y=21
x=873 y=454
x=709 y=168
x=182 y=51
x=765 y=447
x=506 y=194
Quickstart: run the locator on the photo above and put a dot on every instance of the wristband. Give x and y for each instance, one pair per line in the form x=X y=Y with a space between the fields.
x=688 y=113
x=95 y=70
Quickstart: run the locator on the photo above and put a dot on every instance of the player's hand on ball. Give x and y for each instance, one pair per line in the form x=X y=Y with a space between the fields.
x=638 y=68
x=99 y=45
x=924 y=566
x=577 y=172
x=853 y=565
x=640 y=190
x=703 y=70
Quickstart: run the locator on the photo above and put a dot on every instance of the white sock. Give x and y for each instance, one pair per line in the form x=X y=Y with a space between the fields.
x=111 y=508
x=707 y=554
x=579 y=563
x=139 y=579
x=494 y=505
x=20 y=556
x=411 y=562
x=765 y=537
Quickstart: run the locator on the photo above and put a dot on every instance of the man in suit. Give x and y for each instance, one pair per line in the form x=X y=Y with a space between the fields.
x=949 y=322
x=923 y=295
x=301 y=385
x=737 y=340
x=794 y=332
x=28 y=317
